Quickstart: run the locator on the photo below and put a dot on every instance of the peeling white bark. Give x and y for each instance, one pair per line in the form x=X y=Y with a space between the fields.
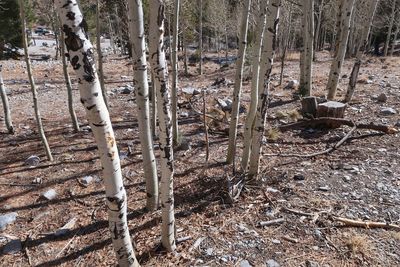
x=160 y=71
x=6 y=106
x=140 y=82
x=262 y=105
x=82 y=58
x=238 y=83
x=32 y=83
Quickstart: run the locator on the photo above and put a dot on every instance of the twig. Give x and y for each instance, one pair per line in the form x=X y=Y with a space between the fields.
x=290 y=239
x=183 y=239
x=68 y=243
x=367 y=224
x=298 y=212
x=271 y=222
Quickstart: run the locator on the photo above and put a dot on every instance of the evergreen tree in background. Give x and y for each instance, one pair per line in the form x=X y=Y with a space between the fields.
x=10 y=29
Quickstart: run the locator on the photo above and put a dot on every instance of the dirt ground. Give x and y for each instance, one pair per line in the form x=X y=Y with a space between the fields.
x=360 y=180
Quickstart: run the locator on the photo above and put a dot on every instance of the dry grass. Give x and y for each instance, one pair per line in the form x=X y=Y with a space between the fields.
x=273 y=134
x=360 y=244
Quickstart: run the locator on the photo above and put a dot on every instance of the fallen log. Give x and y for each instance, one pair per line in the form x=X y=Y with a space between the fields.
x=367 y=224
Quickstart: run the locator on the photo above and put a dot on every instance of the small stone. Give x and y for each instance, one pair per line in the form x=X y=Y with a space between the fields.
x=397 y=124
x=299 y=177
x=209 y=251
x=32 y=161
x=184 y=114
x=324 y=188
x=276 y=241
x=87 y=180
x=127 y=90
x=311 y=264
x=388 y=85
x=245 y=263
x=272 y=263
x=12 y=247
x=388 y=111
x=190 y=91
x=346 y=178
x=50 y=194
x=293 y=84
x=382 y=97
x=7 y=218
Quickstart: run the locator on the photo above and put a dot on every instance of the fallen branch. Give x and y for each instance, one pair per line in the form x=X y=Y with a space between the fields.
x=336 y=122
x=271 y=222
x=367 y=224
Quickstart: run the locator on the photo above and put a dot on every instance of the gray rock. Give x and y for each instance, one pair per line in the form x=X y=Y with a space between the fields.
x=388 y=111
x=397 y=124
x=293 y=84
x=12 y=247
x=190 y=91
x=87 y=180
x=245 y=263
x=299 y=177
x=184 y=114
x=311 y=264
x=324 y=188
x=209 y=251
x=388 y=85
x=37 y=180
x=382 y=97
x=32 y=161
x=7 y=218
x=127 y=89
x=272 y=263
x=346 y=178
x=50 y=194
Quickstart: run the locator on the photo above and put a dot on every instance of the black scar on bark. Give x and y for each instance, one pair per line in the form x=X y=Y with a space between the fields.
x=71 y=15
x=118 y=201
x=84 y=27
x=88 y=62
x=74 y=63
x=90 y=107
x=72 y=41
x=67 y=4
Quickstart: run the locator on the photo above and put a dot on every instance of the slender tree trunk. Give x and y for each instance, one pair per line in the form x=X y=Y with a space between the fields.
x=396 y=35
x=286 y=43
x=308 y=39
x=255 y=79
x=174 y=61
x=32 y=82
x=140 y=82
x=152 y=92
x=119 y=31
x=352 y=33
x=262 y=105
x=238 y=83
x=185 y=55
x=111 y=30
x=337 y=62
x=389 y=34
x=318 y=28
x=6 y=106
x=71 y=109
x=82 y=58
x=371 y=7
x=160 y=70
x=201 y=38
x=100 y=54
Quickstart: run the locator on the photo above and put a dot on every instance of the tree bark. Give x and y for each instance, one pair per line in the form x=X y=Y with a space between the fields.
x=286 y=43
x=389 y=34
x=369 y=15
x=32 y=82
x=174 y=53
x=71 y=109
x=100 y=54
x=201 y=38
x=238 y=83
x=140 y=82
x=318 y=30
x=160 y=70
x=82 y=59
x=262 y=105
x=6 y=106
x=305 y=86
x=337 y=62
x=255 y=79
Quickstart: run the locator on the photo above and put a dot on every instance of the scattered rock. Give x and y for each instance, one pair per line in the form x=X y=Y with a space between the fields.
x=50 y=194
x=87 y=180
x=346 y=178
x=245 y=263
x=209 y=251
x=127 y=89
x=32 y=161
x=299 y=177
x=324 y=188
x=293 y=84
x=397 y=124
x=37 y=180
x=388 y=111
x=184 y=114
x=382 y=97
x=12 y=247
x=7 y=219
x=276 y=241
x=190 y=91
x=388 y=85
x=272 y=263
x=311 y=264
x=226 y=105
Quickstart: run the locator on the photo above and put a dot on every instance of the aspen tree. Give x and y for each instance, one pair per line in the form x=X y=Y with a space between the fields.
x=140 y=82
x=160 y=71
x=346 y=13
x=6 y=106
x=100 y=54
x=32 y=83
x=82 y=58
x=174 y=53
x=389 y=33
x=318 y=27
x=238 y=83
x=68 y=85
x=367 y=19
x=305 y=86
x=256 y=82
x=201 y=37
x=267 y=57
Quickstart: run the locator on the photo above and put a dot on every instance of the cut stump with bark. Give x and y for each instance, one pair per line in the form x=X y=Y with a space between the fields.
x=309 y=106
x=331 y=109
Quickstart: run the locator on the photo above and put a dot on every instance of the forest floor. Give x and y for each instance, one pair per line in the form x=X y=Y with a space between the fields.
x=360 y=180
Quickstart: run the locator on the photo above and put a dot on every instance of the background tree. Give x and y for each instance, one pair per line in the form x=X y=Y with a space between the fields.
x=6 y=106
x=305 y=86
x=10 y=30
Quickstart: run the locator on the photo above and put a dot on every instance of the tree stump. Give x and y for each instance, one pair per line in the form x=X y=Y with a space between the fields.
x=309 y=106
x=331 y=109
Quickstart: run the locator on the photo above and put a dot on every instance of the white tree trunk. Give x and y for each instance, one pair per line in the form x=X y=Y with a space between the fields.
x=255 y=79
x=6 y=106
x=308 y=40
x=32 y=82
x=100 y=54
x=174 y=53
x=238 y=83
x=318 y=26
x=112 y=38
x=160 y=70
x=140 y=82
x=71 y=109
x=262 y=105
x=389 y=34
x=201 y=38
x=367 y=22
x=82 y=58
x=396 y=35
x=336 y=67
